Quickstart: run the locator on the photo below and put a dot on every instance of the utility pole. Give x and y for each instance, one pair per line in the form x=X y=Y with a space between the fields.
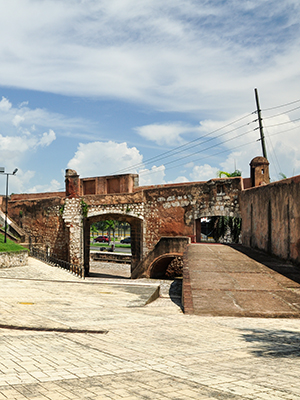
x=262 y=136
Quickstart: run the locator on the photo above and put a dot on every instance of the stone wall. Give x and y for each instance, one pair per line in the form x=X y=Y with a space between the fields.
x=172 y=211
x=41 y=219
x=271 y=218
x=8 y=260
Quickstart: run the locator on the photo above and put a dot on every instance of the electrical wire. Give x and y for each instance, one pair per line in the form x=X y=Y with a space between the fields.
x=193 y=143
x=282 y=105
x=272 y=152
x=283 y=123
x=187 y=145
x=203 y=158
x=207 y=148
x=283 y=113
x=145 y=173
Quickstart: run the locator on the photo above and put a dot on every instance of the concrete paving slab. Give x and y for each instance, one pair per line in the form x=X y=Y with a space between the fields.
x=236 y=281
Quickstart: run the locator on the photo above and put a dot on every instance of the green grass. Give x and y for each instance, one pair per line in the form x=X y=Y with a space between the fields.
x=9 y=246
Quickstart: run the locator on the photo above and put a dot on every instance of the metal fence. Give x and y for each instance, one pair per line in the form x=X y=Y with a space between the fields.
x=50 y=259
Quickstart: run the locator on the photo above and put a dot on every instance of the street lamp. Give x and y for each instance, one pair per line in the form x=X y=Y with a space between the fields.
x=2 y=169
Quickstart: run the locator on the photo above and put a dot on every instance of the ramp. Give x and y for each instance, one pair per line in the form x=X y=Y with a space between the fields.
x=225 y=280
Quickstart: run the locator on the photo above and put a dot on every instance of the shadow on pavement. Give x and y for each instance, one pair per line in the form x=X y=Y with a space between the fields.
x=274 y=343
x=175 y=292
x=284 y=268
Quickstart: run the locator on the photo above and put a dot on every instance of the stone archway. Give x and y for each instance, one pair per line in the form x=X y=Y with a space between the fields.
x=159 y=267
x=136 y=226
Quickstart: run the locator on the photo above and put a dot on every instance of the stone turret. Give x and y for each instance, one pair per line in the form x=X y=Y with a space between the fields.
x=259 y=172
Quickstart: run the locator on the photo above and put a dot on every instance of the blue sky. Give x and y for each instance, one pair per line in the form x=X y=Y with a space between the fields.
x=163 y=89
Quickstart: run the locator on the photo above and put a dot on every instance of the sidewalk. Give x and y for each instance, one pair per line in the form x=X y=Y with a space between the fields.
x=120 y=348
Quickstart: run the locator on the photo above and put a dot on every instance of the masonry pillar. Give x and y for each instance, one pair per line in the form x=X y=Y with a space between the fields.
x=72 y=183
x=72 y=216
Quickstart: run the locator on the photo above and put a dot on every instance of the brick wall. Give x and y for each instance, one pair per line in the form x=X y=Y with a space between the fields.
x=41 y=219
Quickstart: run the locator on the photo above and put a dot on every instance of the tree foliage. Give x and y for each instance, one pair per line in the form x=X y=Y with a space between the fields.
x=233 y=174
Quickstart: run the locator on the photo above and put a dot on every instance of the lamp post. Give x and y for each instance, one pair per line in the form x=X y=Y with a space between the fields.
x=6 y=202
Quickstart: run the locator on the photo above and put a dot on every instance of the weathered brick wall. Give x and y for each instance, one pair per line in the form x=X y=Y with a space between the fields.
x=271 y=218
x=172 y=211
x=42 y=220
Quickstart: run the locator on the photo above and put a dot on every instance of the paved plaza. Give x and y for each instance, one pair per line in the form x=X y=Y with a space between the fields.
x=65 y=338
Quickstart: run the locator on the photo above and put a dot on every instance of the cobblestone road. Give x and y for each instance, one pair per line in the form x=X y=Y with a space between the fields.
x=147 y=351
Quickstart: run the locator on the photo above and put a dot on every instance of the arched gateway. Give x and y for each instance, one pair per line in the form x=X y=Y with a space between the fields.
x=163 y=218
x=136 y=229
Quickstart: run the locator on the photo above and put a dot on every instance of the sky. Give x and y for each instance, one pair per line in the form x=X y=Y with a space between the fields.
x=164 y=89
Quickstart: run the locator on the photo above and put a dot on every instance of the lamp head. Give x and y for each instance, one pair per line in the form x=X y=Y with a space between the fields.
x=15 y=171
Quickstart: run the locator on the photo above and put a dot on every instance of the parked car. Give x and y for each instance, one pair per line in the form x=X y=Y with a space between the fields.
x=126 y=240
x=101 y=239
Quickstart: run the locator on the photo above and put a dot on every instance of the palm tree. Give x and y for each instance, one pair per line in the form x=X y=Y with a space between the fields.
x=94 y=230
x=110 y=226
x=237 y=172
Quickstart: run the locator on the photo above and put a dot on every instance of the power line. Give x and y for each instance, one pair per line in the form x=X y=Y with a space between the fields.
x=283 y=123
x=283 y=113
x=282 y=105
x=185 y=147
x=203 y=158
x=220 y=152
x=193 y=143
x=207 y=148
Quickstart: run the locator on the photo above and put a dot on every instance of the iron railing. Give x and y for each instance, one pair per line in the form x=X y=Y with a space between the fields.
x=50 y=259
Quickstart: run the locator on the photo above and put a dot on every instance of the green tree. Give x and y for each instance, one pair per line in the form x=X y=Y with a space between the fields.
x=229 y=174
x=94 y=230
x=110 y=226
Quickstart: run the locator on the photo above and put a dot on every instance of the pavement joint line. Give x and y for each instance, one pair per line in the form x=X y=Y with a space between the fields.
x=43 y=329
x=101 y=281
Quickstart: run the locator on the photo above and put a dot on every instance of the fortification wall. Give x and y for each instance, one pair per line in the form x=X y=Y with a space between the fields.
x=41 y=219
x=271 y=218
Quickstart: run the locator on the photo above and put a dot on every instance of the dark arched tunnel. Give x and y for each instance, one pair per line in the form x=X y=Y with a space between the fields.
x=167 y=267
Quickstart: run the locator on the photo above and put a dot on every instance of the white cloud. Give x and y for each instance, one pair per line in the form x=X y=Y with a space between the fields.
x=54 y=186
x=165 y=134
x=24 y=131
x=203 y=173
x=47 y=138
x=5 y=105
x=153 y=176
x=179 y=179
x=104 y=158
x=174 y=55
x=17 y=120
